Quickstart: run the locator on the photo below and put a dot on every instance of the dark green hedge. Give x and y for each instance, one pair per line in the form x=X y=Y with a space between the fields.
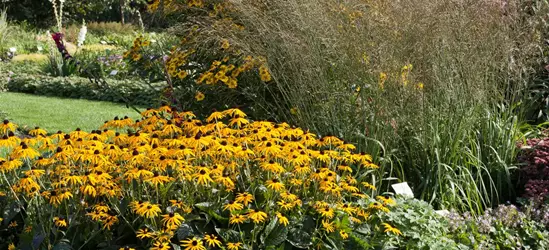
x=137 y=93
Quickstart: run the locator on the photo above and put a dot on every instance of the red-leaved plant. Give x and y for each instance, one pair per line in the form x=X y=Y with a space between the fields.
x=535 y=168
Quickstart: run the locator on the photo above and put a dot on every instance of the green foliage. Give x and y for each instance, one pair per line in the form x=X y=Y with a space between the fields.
x=23 y=38
x=135 y=92
x=106 y=28
x=421 y=227
x=465 y=160
x=504 y=227
x=110 y=32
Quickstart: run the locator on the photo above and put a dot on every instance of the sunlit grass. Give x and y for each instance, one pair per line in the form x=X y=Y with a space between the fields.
x=55 y=114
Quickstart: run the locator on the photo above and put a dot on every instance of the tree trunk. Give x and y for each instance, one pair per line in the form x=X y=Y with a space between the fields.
x=122 y=11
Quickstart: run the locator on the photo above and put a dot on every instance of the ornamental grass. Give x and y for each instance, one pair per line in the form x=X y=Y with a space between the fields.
x=172 y=181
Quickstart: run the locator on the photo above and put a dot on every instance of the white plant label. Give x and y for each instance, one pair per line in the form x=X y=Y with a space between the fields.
x=403 y=189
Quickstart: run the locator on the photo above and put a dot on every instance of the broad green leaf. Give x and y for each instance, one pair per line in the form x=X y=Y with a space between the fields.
x=228 y=235
x=184 y=231
x=299 y=239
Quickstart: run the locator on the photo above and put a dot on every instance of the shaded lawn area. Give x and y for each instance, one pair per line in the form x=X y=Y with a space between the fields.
x=55 y=114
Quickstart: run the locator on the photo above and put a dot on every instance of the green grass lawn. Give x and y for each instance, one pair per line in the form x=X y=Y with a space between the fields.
x=55 y=114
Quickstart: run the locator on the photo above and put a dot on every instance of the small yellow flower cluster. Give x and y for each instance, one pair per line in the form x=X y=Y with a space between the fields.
x=175 y=61
x=220 y=8
x=249 y=172
x=226 y=73
x=135 y=52
x=382 y=79
x=404 y=78
x=404 y=72
x=195 y=3
x=153 y=5
x=169 y=5
x=352 y=15
x=264 y=73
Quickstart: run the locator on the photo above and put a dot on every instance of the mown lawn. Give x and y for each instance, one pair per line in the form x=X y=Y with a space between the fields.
x=55 y=114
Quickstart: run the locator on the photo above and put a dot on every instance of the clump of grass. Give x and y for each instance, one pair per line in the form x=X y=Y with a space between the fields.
x=105 y=28
x=4 y=27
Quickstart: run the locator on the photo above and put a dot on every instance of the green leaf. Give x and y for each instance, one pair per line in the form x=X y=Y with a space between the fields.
x=11 y=212
x=228 y=234
x=277 y=236
x=62 y=246
x=299 y=238
x=218 y=217
x=184 y=231
x=124 y=205
x=38 y=238
x=268 y=230
x=204 y=206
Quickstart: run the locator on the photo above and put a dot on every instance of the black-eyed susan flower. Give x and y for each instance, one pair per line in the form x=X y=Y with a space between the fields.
x=234 y=246
x=257 y=216
x=237 y=219
x=272 y=166
x=368 y=185
x=59 y=222
x=199 y=96
x=203 y=177
x=378 y=206
x=391 y=229
x=244 y=198
x=285 y=205
x=328 y=226
x=386 y=200
x=144 y=233
x=24 y=151
x=149 y=211
x=233 y=206
x=172 y=219
x=282 y=219
x=159 y=245
x=275 y=184
x=344 y=235
x=38 y=131
x=212 y=240
x=7 y=126
x=326 y=212
x=193 y=244
x=347 y=208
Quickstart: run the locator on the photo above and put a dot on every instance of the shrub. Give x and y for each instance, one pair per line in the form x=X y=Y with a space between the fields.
x=176 y=180
x=134 y=92
x=534 y=159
